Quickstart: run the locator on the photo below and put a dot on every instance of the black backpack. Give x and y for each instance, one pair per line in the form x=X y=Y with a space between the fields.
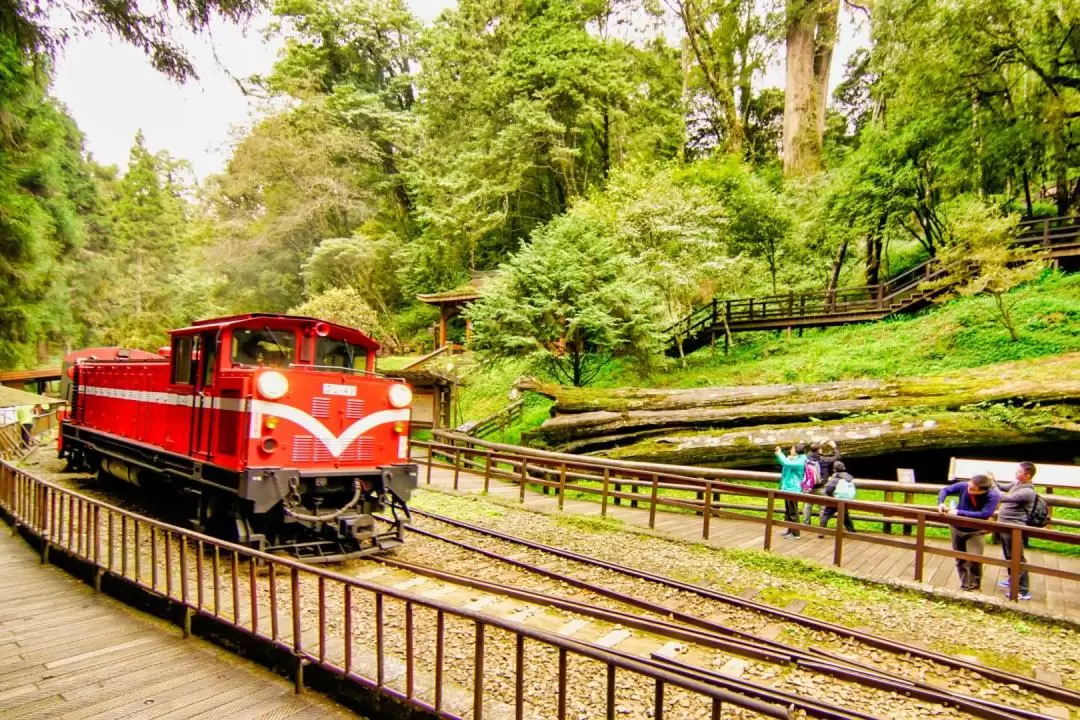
x=1040 y=513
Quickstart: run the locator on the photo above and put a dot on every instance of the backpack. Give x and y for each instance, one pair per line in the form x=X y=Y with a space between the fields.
x=811 y=475
x=1040 y=513
x=845 y=489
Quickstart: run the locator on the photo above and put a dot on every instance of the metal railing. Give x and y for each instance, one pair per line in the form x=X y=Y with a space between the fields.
x=563 y=474
x=434 y=656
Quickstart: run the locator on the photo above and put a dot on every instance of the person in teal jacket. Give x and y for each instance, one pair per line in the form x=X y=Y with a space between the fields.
x=793 y=465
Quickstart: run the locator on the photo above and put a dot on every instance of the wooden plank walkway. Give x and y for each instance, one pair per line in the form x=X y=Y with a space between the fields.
x=68 y=653
x=1051 y=596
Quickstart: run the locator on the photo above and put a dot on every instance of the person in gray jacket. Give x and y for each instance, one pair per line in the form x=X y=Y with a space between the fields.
x=1015 y=507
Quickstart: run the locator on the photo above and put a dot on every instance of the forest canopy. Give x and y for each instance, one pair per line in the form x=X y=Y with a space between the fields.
x=403 y=157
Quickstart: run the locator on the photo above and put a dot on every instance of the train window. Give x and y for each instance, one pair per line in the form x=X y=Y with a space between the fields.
x=266 y=347
x=210 y=343
x=183 y=360
x=340 y=354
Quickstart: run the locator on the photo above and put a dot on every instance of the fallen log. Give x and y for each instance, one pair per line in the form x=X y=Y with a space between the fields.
x=646 y=412
x=864 y=437
x=1051 y=379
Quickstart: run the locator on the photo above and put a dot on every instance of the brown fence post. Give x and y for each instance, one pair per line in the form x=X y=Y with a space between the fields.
x=838 y=539
x=707 y=510
x=652 y=500
x=521 y=484
x=562 y=484
x=457 y=465
x=887 y=527
x=604 y=492
x=909 y=498
x=920 y=545
x=769 y=519
x=487 y=470
x=430 y=460
x=1014 y=563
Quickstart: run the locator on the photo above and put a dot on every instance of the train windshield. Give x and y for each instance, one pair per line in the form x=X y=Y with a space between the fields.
x=266 y=347
x=333 y=353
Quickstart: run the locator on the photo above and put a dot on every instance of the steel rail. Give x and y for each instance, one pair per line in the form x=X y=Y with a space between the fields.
x=749 y=644
x=1052 y=691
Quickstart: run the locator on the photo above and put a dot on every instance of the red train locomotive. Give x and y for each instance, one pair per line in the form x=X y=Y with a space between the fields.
x=275 y=429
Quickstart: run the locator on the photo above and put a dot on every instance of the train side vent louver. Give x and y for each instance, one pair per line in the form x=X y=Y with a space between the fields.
x=320 y=407
x=302 y=448
x=354 y=409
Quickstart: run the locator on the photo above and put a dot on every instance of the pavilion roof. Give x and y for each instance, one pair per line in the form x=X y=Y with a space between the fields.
x=462 y=293
x=11 y=397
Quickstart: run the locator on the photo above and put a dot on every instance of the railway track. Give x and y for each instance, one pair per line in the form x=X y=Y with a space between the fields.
x=790 y=680
x=668 y=626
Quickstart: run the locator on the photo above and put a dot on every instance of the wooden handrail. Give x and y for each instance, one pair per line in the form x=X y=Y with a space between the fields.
x=1060 y=232
x=563 y=473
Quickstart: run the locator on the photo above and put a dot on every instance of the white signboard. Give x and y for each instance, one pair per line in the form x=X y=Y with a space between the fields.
x=341 y=390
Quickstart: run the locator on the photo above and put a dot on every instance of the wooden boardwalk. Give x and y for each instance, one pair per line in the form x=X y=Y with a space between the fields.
x=68 y=653
x=1051 y=596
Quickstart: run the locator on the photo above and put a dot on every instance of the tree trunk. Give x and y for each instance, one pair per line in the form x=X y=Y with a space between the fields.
x=838 y=264
x=823 y=52
x=811 y=37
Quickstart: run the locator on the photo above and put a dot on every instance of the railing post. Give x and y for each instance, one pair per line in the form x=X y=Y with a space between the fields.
x=430 y=461
x=769 y=519
x=562 y=484
x=838 y=539
x=1014 y=563
x=487 y=470
x=880 y=296
x=521 y=483
x=920 y=546
x=652 y=500
x=707 y=510
x=604 y=492
x=714 y=311
x=457 y=465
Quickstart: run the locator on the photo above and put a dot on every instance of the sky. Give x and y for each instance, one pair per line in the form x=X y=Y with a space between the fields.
x=112 y=91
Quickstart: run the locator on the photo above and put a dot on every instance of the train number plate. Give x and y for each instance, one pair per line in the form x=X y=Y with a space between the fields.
x=344 y=390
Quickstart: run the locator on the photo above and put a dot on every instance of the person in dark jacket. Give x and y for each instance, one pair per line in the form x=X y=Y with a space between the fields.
x=1015 y=507
x=827 y=513
x=813 y=457
x=977 y=499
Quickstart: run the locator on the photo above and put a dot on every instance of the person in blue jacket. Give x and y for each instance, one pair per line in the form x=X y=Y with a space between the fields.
x=791 y=477
x=978 y=498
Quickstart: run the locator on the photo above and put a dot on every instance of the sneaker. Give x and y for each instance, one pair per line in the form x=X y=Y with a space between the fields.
x=1025 y=596
x=1004 y=584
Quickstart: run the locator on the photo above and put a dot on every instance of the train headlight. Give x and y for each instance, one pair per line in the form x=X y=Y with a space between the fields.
x=272 y=385
x=400 y=396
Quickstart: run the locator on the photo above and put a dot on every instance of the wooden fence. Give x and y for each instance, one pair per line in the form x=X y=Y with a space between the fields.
x=653 y=485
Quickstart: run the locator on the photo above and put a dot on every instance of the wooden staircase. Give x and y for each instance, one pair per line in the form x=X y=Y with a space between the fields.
x=716 y=320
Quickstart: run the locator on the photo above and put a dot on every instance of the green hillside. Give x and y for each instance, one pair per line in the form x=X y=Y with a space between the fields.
x=960 y=334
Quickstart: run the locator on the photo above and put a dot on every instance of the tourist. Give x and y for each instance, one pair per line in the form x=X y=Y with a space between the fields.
x=813 y=481
x=829 y=455
x=24 y=415
x=978 y=499
x=1015 y=508
x=791 y=478
x=840 y=478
